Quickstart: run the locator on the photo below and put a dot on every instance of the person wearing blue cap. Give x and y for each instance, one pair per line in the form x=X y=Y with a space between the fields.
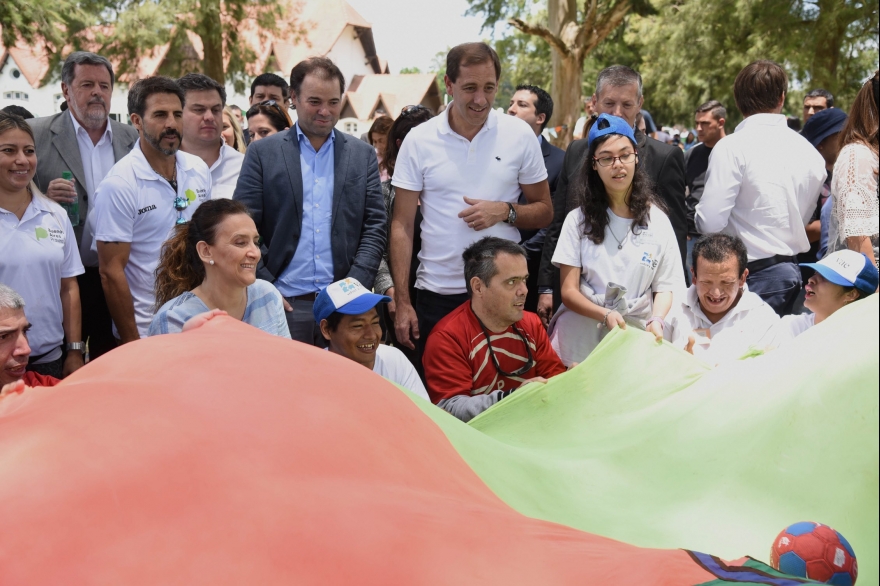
x=839 y=279
x=618 y=254
x=346 y=314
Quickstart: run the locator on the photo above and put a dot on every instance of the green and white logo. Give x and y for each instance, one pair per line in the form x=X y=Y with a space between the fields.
x=190 y=195
x=41 y=233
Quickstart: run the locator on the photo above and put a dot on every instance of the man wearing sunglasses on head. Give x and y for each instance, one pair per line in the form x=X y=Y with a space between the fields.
x=489 y=346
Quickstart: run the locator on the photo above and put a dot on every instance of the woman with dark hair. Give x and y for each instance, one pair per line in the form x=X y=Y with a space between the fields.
x=265 y=119
x=211 y=263
x=378 y=137
x=410 y=117
x=855 y=221
x=39 y=257
x=617 y=254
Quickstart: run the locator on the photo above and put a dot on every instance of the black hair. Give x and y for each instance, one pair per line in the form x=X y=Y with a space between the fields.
x=715 y=107
x=479 y=258
x=409 y=118
x=19 y=111
x=199 y=82
x=324 y=67
x=822 y=93
x=333 y=321
x=595 y=202
x=544 y=104
x=717 y=247
x=144 y=88
x=275 y=113
x=272 y=80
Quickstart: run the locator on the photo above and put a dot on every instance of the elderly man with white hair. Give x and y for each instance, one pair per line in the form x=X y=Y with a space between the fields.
x=14 y=348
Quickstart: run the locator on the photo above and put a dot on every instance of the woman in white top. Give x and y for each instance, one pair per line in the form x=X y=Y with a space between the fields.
x=617 y=254
x=38 y=255
x=855 y=221
x=840 y=278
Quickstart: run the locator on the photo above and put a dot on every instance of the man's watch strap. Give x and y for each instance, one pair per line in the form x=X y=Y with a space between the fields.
x=511 y=214
x=81 y=346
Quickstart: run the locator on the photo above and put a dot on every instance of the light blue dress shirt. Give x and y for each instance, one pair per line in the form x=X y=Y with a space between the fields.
x=311 y=268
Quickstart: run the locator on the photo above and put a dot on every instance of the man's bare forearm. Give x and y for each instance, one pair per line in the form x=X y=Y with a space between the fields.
x=401 y=256
x=120 y=303
x=534 y=216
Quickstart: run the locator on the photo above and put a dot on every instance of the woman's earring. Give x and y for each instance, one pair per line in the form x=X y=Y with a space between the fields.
x=210 y=262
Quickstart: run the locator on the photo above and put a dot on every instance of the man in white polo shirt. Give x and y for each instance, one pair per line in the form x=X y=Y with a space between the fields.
x=142 y=199
x=467 y=169
x=202 y=125
x=762 y=185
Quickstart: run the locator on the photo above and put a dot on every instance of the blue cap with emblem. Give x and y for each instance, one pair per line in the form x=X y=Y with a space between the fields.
x=607 y=124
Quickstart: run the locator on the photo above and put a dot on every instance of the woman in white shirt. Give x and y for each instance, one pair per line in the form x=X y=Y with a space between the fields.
x=840 y=278
x=855 y=221
x=617 y=254
x=39 y=259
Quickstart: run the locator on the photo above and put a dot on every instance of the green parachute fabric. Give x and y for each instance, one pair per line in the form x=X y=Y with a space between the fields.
x=228 y=456
x=645 y=444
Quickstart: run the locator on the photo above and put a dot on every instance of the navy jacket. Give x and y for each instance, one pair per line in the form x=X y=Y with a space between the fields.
x=270 y=185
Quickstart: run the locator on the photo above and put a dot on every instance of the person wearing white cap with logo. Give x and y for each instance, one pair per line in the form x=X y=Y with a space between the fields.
x=346 y=313
x=840 y=278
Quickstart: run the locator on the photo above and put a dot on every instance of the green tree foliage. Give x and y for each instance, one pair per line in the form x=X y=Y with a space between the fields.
x=410 y=70
x=33 y=21
x=692 y=51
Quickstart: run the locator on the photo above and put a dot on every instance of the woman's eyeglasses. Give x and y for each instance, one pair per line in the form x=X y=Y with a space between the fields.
x=608 y=161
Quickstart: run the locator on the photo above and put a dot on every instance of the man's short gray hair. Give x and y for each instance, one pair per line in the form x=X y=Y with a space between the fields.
x=9 y=299
x=617 y=76
x=83 y=58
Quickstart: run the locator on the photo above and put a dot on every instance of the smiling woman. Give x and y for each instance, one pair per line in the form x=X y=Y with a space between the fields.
x=211 y=263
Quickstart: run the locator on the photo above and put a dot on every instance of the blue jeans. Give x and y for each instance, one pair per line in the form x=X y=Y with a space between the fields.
x=778 y=286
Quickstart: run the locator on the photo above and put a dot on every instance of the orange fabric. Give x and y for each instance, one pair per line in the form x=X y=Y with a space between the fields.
x=228 y=456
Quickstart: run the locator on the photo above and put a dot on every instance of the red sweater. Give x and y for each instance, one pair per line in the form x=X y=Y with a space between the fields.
x=457 y=359
x=32 y=379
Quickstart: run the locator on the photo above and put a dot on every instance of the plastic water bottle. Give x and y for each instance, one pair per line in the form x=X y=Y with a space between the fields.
x=72 y=208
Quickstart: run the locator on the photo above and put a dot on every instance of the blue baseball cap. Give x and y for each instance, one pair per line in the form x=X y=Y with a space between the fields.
x=823 y=124
x=848 y=268
x=347 y=296
x=607 y=124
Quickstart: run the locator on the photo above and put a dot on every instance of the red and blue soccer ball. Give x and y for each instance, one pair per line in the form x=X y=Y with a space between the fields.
x=815 y=551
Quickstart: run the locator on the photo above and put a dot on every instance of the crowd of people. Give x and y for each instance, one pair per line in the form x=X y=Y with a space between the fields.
x=458 y=254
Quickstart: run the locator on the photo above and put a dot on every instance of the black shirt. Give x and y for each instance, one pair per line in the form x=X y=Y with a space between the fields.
x=696 y=163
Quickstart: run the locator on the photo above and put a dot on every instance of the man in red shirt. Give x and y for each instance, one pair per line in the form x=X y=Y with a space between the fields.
x=14 y=348
x=489 y=346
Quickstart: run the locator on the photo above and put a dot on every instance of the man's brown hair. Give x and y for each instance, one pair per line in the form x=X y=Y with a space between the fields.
x=759 y=87
x=468 y=54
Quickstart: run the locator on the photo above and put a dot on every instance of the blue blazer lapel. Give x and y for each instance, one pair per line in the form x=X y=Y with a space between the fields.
x=341 y=155
x=291 y=155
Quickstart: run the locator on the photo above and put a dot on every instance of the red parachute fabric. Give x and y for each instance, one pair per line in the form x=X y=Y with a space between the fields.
x=228 y=456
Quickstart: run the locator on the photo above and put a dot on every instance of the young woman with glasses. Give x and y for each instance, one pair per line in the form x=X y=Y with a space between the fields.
x=210 y=263
x=617 y=254
x=267 y=118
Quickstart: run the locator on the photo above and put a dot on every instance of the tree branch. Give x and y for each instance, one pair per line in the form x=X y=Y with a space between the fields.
x=540 y=31
x=593 y=33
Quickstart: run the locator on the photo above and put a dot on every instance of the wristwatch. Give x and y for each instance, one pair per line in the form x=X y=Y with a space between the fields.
x=511 y=215
x=81 y=346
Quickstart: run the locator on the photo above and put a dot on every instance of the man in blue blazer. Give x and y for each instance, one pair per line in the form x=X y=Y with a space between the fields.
x=535 y=106
x=315 y=196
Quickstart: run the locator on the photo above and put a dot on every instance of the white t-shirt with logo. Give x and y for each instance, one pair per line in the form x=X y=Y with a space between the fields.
x=445 y=167
x=36 y=252
x=647 y=262
x=393 y=365
x=135 y=204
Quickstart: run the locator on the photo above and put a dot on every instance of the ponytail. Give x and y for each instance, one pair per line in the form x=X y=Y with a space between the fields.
x=180 y=268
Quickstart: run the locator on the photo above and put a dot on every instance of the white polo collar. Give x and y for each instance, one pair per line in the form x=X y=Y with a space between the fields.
x=445 y=128
x=762 y=120
x=143 y=170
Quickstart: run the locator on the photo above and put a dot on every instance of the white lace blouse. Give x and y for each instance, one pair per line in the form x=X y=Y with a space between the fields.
x=854 y=205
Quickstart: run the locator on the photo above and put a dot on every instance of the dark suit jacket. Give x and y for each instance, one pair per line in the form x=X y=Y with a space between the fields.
x=665 y=166
x=58 y=151
x=553 y=156
x=270 y=185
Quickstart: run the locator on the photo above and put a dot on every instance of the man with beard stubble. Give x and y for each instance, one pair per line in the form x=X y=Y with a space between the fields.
x=149 y=192
x=85 y=142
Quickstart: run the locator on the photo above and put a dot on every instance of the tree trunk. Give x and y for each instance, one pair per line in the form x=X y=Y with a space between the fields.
x=565 y=88
x=210 y=30
x=829 y=35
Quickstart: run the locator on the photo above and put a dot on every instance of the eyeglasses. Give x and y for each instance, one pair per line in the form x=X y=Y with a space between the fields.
x=530 y=363
x=624 y=159
x=408 y=110
x=180 y=204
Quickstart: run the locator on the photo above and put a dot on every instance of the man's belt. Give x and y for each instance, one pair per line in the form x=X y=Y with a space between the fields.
x=765 y=263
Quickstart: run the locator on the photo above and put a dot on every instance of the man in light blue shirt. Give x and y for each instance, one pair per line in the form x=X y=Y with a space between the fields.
x=315 y=196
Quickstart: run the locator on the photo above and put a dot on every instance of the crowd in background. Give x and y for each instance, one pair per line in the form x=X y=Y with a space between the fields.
x=458 y=253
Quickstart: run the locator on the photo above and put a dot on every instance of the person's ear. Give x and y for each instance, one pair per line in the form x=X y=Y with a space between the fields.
x=693 y=276
x=325 y=329
x=851 y=296
x=721 y=122
x=136 y=121
x=540 y=119
x=743 y=278
x=476 y=285
x=204 y=251
x=448 y=83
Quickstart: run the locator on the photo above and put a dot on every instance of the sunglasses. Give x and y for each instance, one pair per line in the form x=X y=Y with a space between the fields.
x=409 y=110
x=518 y=372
